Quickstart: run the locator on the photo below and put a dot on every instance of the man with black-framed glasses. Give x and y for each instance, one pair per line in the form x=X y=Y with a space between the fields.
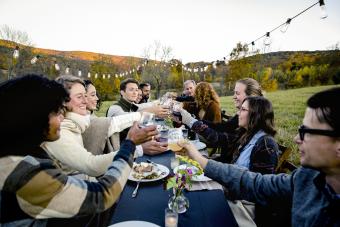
x=311 y=194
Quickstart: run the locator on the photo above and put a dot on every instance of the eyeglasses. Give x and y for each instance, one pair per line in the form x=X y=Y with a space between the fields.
x=303 y=130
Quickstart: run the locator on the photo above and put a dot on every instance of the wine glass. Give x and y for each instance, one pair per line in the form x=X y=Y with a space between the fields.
x=147 y=119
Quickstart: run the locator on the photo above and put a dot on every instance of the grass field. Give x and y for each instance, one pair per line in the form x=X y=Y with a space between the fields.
x=289 y=108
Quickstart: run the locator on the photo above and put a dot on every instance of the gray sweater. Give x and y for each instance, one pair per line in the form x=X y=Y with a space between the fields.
x=311 y=201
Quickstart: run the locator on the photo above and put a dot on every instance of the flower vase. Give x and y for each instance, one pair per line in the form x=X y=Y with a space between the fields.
x=178 y=202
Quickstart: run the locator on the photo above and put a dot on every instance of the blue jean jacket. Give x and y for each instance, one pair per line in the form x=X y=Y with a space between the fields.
x=311 y=201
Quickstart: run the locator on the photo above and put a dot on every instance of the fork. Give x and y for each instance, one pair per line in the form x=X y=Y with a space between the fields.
x=134 y=193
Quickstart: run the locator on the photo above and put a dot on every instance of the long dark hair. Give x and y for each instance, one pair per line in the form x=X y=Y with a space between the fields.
x=261 y=117
x=29 y=100
x=99 y=102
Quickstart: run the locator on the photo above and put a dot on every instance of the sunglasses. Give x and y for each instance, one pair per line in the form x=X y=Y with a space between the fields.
x=303 y=130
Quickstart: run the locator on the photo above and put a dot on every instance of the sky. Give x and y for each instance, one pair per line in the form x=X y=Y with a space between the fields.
x=195 y=30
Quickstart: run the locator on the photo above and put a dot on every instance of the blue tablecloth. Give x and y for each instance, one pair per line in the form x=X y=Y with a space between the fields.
x=207 y=208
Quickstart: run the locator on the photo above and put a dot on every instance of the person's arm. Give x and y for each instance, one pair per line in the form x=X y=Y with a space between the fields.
x=142 y=106
x=72 y=154
x=243 y=184
x=153 y=147
x=121 y=122
x=264 y=156
x=225 y=126
x=185 y=98
x=45 y=190
x=250 y=186
x=214 y=137
x=115 y=110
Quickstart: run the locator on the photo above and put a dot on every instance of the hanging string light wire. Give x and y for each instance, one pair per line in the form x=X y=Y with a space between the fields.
x=289 y=20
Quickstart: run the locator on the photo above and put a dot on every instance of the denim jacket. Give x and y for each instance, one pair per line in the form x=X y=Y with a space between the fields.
x=305 y=192
x=264 y=153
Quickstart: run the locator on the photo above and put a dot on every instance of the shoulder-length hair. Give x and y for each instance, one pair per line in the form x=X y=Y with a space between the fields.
x=260 y=117
x=205 y=94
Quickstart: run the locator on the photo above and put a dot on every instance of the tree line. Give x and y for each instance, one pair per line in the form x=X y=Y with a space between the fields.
x=277 y=70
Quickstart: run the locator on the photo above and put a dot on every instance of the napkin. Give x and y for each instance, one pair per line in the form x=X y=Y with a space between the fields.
x=204 y=185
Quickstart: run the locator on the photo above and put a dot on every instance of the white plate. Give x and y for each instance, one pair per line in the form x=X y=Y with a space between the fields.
x=198 y=144
x=194 y=178
x=162 y=171
x=134 y=224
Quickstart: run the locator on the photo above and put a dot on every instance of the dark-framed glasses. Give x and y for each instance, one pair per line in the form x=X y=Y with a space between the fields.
x=303 y=130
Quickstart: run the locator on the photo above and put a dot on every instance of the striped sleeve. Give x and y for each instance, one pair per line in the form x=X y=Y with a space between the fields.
x=44 y=192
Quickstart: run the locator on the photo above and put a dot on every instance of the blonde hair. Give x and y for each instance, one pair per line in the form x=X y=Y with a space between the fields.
x=68 y=81
x=205 y=94
x=253 y=88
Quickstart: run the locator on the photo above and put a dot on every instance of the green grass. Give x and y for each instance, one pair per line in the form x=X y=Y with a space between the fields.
x=289 y=107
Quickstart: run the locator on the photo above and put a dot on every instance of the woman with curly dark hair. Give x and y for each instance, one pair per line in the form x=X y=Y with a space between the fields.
x=208 y=103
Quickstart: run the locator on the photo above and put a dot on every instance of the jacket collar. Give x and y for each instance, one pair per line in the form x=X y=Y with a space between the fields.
x=126 y=105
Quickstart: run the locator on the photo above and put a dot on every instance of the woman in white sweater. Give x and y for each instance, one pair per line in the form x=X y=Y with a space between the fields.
x=69 y=150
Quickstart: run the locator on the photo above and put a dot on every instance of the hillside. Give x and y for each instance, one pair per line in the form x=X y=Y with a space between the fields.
x=80 y=55
x=274 y=71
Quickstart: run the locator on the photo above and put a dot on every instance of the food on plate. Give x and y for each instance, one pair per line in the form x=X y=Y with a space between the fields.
x=145 y=170
x=143 y=167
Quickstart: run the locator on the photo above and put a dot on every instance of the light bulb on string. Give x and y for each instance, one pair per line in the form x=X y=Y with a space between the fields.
x=214 y=64
x=35 y=59
x=16 y=52
x=323 y=9
x=225 y=60
x=253 y=46
x=56 y=66
x=79 y=72
x=267 y=40
x=67 y=70
x=89 y=75
x=285 y=26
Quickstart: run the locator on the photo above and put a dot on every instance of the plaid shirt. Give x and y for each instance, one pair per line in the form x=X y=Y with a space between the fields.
x=33 y=189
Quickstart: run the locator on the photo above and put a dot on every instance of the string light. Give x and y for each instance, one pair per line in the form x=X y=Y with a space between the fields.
x=67 y=70
x=323 y=9
x=324 y=15
x=284 y=27
x=267 y=40
x=35 y=59
x=16 y=52
x=56 y=66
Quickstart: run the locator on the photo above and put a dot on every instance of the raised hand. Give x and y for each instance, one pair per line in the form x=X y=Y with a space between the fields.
x=187 y=119
x=193 y=153
x=140 y=135
x=153 y=147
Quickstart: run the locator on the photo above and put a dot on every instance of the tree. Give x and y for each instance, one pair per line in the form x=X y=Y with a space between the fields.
x=103 y=65
x=15 y=39
x=240 y=51
x=17 y=36
x=157 y=69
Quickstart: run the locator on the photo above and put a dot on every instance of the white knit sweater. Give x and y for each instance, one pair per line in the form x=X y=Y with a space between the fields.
x=69 y=150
